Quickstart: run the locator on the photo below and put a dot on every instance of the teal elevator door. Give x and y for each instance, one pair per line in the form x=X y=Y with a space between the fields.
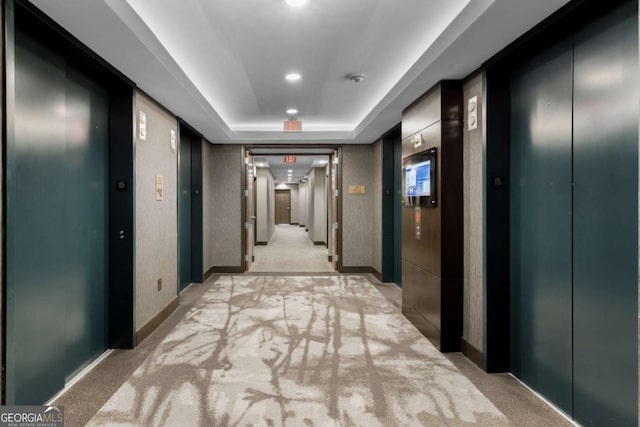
x=540 y=227
x=574 y=221
x=605 y=224
x=56 y=224
x=184 y=211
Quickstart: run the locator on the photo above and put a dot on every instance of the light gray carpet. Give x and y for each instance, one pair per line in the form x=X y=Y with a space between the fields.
x=290 y=250
x=296 y=351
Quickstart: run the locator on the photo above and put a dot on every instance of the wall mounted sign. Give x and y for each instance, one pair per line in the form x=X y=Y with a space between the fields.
x=121 y=186
x=417 y=141
x=159 y=188
x=289 y=159
x=172 y=140
x=292 y=126
x=142 y=126
x=498 y=182
x=472 y=116
x=356 y=189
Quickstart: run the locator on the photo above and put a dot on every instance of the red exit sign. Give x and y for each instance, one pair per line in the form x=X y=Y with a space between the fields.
x=289 y=159
x=293 y=126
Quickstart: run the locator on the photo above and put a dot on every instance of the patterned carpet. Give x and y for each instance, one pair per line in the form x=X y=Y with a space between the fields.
x=296 y=351
x=290 y=242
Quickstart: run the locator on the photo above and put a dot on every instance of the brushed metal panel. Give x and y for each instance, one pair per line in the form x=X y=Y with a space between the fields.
x=431 y=137
x=421 y=290
x=422 y=113
x=424 y=253
x=450 y=191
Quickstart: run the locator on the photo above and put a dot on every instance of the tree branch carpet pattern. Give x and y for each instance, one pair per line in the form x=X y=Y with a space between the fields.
x=296 y=351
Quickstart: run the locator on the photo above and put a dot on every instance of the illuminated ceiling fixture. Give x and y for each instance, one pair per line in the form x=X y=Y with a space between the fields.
x=292 y=111
x=293 y=77
x=296 y=3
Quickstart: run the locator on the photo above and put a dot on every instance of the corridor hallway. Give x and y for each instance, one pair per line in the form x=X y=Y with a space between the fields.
x=323 y=350
x=290 y=250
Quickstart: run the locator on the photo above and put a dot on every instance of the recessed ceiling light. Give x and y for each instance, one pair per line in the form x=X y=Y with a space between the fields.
x=293 y=77
x=290 y=170
x=296 y=3
x=292 y=111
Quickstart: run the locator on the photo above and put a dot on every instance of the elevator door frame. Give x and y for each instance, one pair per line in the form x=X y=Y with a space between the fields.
x=194 y=268
x=496 y=211
x=120 y=297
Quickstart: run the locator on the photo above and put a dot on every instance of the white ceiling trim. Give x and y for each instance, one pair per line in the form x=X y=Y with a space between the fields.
x=273 y=130
x=114 y=31
x=135 y=23
x=472 y=11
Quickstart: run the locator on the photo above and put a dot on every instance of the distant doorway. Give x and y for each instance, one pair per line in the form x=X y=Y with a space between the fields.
x=283 y=207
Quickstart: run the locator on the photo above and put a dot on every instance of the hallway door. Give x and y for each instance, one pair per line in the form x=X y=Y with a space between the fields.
x=56 y=224
x=283 y=207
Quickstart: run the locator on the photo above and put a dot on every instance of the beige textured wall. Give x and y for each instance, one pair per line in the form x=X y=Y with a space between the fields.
x=310 y=203
x=302 y=203
x=227 y=206
x=473 y=219
x=271 y=205
x=317 y=205
x=357 y=215
x=207 y=206
x=295 y=195
x=264 y=205
x=376 y=191
x=156 y=221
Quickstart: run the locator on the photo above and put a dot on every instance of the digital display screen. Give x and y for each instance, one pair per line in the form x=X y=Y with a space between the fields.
x=418 y=179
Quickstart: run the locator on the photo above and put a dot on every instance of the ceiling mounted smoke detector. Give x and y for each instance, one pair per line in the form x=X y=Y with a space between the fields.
x=357 y=78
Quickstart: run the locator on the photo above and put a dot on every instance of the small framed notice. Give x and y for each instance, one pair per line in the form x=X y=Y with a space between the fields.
x=357 y=189
x=159 y=188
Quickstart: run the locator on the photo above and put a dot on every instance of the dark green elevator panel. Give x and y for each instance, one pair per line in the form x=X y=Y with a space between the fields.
x=388 y=204
x=35 y=229
x=56 y=224
x=606 y=220
x=540 y=205
x=196 y=211
x=184 y=211
x=85 y=216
